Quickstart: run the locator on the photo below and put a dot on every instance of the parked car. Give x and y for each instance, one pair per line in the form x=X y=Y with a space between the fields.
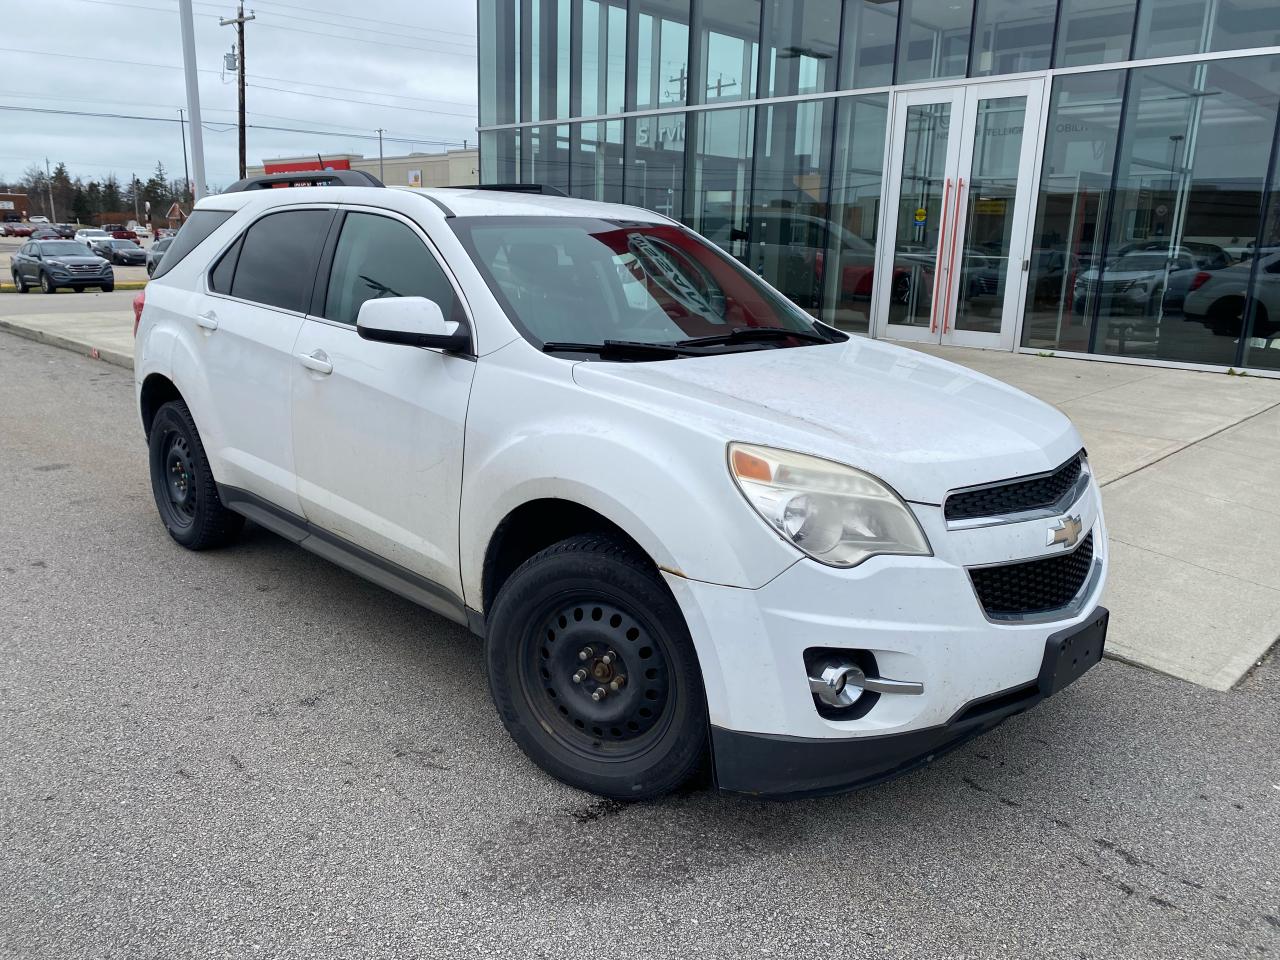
x=34 y=220
x=90 y=236
x=50 y=264
x=689 y=522
x=18 y=229
x=66 y=231
x=124 y=253
x=156 y=252
x=45 y=233
x=1217 y=299
x=120 y=232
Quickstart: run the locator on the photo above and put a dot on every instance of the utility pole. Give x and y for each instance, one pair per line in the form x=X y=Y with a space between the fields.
x=240 y=20
x=381 y=173
x=48 y=179
x=193 y=95
x=186 y=171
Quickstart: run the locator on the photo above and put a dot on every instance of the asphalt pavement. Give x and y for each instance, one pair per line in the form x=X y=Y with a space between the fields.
x=250 y=752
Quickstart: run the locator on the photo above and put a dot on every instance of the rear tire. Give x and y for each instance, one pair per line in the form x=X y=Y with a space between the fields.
x=182 y=483
x=19 y=282
x=561 y=614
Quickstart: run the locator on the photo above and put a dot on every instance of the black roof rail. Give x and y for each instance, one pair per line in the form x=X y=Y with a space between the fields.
x=306 y=178
x=542 y=188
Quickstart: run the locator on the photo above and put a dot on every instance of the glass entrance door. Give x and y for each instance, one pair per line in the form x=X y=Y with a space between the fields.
x=957 y=210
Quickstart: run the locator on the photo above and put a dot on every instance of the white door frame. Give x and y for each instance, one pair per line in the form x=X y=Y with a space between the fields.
x=964 y=99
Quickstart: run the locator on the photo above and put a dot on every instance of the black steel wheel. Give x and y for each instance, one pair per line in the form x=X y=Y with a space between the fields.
x=593 y=671
x=182 y=483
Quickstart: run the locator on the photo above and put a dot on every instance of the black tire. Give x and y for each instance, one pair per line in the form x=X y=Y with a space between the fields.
x=47 y=284
x=108 y=287
x=182 y=483
x=593 y=593
x=19 y=282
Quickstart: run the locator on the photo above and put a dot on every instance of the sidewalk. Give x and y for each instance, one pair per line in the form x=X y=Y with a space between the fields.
x=1189 y=464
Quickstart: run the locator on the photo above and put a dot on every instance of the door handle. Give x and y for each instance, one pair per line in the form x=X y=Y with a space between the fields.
x=951 y=257
x=317 y=361
x=209 y=321
x=937 y=263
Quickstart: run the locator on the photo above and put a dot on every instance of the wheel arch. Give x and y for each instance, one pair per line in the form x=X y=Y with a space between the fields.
x=157 y=390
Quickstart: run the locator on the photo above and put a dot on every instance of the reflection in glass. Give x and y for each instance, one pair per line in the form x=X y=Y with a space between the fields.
x=1189 y=186
x=919 y=218
x=870 y=34
x=1262 y=309
x=1169 y=28
x=499 y=30
x=1075 y=189
x=1094 y=31
x=1012 y=36
x=546 y=74
x=662 y=53
x=545 y=155
x=729 y=51
x=597 y=162
x=985 y=265
x=655 y=163
x=801 y=43
x=849 y=265
x=721 y=189
x=788 y=223
x=500 y=156
x=933 y=39
x=604 y=57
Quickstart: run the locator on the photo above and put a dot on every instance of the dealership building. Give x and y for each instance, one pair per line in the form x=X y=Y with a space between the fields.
x=1088 y=177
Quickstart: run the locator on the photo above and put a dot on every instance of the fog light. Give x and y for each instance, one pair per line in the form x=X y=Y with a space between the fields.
x=836 y=682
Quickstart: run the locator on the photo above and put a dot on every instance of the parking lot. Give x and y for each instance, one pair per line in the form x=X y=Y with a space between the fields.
x=251 y=751
x=10 y=245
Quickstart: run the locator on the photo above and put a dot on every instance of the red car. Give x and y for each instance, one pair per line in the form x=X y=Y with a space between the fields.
x=118 y=232
x=17 y=230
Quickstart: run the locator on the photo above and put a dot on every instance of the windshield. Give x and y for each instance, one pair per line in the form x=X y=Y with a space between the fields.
x=62 y=248
x=586 y=280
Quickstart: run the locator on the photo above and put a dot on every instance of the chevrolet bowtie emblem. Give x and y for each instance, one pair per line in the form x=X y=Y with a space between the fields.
x=1067 y=530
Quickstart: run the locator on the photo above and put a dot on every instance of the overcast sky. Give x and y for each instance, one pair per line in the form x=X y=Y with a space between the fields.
x=411 y=64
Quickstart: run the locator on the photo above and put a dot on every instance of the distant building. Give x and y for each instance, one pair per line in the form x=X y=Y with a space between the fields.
x=13 y=206
x=453 y=168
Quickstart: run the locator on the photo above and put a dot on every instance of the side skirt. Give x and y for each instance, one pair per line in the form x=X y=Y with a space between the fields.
x=364 y=563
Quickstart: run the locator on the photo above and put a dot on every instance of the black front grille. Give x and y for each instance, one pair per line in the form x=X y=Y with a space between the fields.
x=1033 y=586
x=1016 y=495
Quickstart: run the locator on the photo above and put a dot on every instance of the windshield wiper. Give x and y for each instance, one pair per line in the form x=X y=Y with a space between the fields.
x=624 y=349
x=755 y=335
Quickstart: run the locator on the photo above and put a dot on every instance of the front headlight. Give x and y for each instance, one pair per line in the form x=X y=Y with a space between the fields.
x=836 y=514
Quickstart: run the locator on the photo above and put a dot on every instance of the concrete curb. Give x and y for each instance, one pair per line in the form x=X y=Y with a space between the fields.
x=67 y=343
x=120 y=285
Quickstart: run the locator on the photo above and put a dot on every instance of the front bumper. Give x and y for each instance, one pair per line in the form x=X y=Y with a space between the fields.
x=921 y=621
x=791 y=767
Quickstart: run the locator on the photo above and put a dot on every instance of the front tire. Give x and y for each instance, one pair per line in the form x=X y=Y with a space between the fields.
x=591 y=607
x=46 y=284
x=182 y=483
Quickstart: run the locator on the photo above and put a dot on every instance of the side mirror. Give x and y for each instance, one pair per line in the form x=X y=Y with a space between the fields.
x=412 y=321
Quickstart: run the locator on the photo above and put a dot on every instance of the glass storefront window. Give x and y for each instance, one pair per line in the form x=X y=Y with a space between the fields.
x=1094 y=31
x=1012 y=36
x=729 y=48
x=500 y=156
x=1262 y=310
x=787 y=230
x=499 y=29
x=662 y=53
x=933 y=39
x=1188 y=190
x=604 y=57
x=597 y=161
x=1075 y=191
x=848 y=267
x=655 y=163
x=801 y=44
x=545 y=155
x=720 y=192
x=870 y=34
x=546 y=72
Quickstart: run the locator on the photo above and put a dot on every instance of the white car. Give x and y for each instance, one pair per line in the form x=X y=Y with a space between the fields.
x=90 y=236
x=1217 y=298
x=690 y=524
x=38 y=220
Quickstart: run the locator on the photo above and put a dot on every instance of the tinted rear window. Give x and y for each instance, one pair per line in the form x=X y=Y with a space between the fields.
x=278 y=258
x=195 y=231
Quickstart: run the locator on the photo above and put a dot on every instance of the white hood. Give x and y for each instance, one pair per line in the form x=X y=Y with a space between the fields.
x=923 y=425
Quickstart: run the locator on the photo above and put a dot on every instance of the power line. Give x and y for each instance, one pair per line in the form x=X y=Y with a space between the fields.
x=227 y=127
x=375 y=43
x=389 y=23
x=389 y=106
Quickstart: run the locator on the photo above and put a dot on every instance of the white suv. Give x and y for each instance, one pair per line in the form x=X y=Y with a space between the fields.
x=692 y=525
